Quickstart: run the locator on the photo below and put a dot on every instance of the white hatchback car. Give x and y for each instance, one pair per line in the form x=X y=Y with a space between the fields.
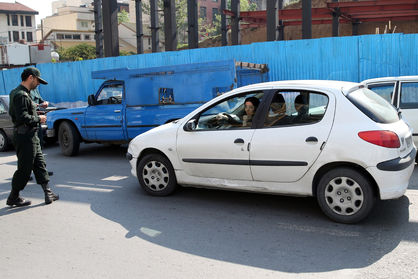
x=402 y=92
x=334 y=140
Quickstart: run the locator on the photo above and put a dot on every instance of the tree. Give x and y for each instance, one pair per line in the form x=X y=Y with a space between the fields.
x=77 y=53
x=123 y=16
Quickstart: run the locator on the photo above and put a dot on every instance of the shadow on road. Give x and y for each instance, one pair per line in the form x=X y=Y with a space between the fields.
x=272 y=232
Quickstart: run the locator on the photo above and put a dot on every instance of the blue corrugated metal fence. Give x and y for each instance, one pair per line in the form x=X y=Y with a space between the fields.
x=338 y=58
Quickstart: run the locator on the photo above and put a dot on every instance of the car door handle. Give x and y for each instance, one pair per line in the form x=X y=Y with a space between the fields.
x=311 y=139
x=239 y=140
x=116 y=110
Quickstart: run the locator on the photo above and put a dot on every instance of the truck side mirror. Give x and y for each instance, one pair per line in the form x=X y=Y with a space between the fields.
x=91 y=100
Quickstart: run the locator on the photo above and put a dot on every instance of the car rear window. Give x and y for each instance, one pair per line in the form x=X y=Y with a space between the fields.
x=374 y=106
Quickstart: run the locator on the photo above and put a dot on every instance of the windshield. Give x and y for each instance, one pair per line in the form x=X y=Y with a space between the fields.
x=374 y=106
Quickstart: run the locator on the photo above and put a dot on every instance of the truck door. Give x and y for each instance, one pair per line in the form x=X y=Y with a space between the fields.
x=104 y=119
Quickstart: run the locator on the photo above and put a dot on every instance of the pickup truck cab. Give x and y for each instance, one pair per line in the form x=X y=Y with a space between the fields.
x=401 y=92
x=132 y=101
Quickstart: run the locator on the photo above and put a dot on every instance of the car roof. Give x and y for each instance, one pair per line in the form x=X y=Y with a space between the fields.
x=344 y=86
x=387 y=79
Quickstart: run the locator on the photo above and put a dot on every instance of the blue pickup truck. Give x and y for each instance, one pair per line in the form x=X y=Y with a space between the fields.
x=132 y=101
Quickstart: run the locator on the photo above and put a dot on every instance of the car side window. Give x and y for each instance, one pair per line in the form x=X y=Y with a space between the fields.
x=288 y=108
x=409 y=95
x=110 y=94
x=383 y=90
x=236 y=112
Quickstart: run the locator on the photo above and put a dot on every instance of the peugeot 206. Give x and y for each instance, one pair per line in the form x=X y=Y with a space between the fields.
x=337 y=141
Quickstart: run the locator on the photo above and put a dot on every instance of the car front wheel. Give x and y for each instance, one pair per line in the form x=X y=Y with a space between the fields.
x=345 y=195
x=69 y=139
x=156 y=175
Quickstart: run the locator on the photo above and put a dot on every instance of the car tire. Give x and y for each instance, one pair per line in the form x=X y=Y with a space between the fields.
x=69 y=139
x=4 y=141
x=345 y=195
x=156 y=175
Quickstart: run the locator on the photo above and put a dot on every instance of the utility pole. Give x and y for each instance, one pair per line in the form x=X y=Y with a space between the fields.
x=170 y=27
x=98 y=19
x=139 y=31
x=306 y=19
x=154 y=26
x=110 y=27
x=193 y=36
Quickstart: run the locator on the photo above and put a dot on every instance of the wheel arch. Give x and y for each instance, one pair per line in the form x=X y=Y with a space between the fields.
x=325 y=168
x=148 y=151
x=58 y=123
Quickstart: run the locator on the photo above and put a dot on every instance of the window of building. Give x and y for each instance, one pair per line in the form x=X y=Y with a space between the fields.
x=68 y=36
x=14 y=20
x=215 y=12
x=203 y=12
x=23 y=35
x=76 y=37
x=84 y=24
x=10 y=37
x=86 y=37
x=15 y=36
x=29 y=36
x=21 y=21
x=60 y=36
x=8 y=20
x=215 y=1
x=28 y=21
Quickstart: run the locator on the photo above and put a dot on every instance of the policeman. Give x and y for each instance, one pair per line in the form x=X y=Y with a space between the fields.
x=25 y=138
x=40 y=104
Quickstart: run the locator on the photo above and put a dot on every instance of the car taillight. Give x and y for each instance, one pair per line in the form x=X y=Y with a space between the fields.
x=382 y=138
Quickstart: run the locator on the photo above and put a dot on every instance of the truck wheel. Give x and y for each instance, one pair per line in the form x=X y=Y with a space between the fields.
x=156 y=175
x=345 y=195
x=4 y=141
x=69 y=139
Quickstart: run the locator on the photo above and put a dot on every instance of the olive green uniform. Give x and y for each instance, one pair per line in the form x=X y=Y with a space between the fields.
x=25 y=139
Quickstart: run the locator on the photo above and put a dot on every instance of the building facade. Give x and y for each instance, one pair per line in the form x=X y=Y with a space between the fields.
x=17 y=23
x=70 y=26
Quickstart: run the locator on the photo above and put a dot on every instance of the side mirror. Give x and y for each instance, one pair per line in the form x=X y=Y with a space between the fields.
x=190 y=125
x=91 y=100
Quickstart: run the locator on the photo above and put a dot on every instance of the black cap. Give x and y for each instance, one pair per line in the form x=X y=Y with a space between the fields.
x=35 y=72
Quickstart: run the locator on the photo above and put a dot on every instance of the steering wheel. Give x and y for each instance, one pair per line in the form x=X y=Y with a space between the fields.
x=230 y=119
x=113 y=100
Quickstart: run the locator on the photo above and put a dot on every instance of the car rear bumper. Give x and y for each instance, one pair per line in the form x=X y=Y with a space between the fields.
x=393 y=183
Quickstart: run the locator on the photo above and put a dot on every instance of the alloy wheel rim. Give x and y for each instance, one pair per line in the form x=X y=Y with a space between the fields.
x=344 y=196
x=155 y=176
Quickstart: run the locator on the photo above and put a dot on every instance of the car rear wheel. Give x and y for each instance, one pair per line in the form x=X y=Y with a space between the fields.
x=156 y=175
x=4 y=141
x=345 y=195
x=69 y=139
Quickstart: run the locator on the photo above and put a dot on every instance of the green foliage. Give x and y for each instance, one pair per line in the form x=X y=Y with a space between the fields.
x=126 y=53
x=123 y=16
x=77 y=53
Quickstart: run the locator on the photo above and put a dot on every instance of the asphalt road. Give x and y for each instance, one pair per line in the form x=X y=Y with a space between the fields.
x=105 y=226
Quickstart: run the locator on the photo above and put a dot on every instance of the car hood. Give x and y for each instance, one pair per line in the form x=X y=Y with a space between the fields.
x=162 y=138
x=59 y=111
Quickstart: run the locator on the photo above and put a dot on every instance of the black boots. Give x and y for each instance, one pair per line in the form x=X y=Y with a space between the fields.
x=15 y=200
x=49 y=195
